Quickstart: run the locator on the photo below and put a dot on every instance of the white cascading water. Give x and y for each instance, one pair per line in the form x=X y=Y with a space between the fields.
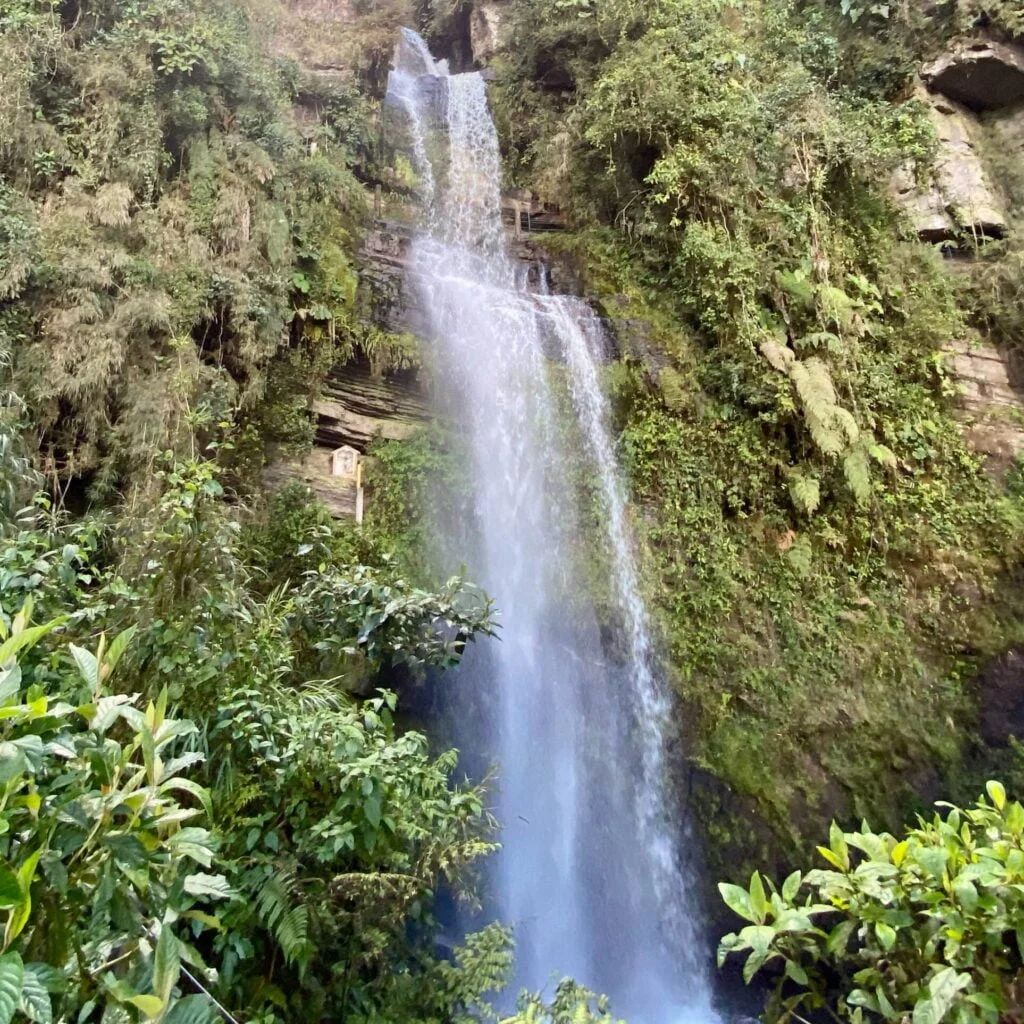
x=590 y=874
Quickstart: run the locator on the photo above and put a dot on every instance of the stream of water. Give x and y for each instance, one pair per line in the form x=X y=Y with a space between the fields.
x=591 y=874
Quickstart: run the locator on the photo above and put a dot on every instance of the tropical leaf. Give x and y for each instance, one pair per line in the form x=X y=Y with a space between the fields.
x=213 y=886
x=166 y=964
x=781 y=357
x=805 y=492
x=35 y=1000
x=858 y=474
x=196 y=1009
x=12 y=977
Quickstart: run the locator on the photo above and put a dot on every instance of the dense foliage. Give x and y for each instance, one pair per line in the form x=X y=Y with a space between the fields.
x=927 y=927
x=179 y=245
x=237 y=808
x=829 y=559
x=326 y=830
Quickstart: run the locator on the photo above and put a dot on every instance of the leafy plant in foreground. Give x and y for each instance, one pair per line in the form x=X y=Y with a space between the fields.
x=103 y=872
x=571 y=1004
x=927 y=928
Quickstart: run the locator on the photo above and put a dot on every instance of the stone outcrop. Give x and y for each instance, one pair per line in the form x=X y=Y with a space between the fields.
x=981 y=74
x=960 y=206
x=314 y=470
x=356 y=407
x=993 y=407
x=960 y=200
x=961 y=203
x=924 y=205
x=966 y=189
x=485 y=28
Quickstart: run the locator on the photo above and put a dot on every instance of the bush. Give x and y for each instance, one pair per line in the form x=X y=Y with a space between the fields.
x=929 y=927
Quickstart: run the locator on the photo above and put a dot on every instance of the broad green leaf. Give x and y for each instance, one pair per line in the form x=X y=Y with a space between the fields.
x=195 y=1009
x=151 y=1006
x=759 y=938
x=49 y=977
x=102 y=714
x=796 y=972
x=758 y=903
x=886 y=935
x=117 y=648
x=35 y=1000
x=166 y=964
x=839 y=937
x=10 y=888
x=196 y=843
x=208 y=919
x=966 y=893
x=872 y=845
x=737 y=899
x=996 y=793
x=12 y=977
x=932 y=859
x=14 y=645
x=791 y=886
x=924 y=1012
x=88 y=667
x=885 y=1007
x=831 y=858
x=12 y=761
x=214 y=886
x=20 y=914
x=859 y=997
x=148 y=745
x=1014 y=816
x=943 y=989
x=372 y=809
x=989 y=1004
x=729 y=944
x=185 y=785
x=837 y=843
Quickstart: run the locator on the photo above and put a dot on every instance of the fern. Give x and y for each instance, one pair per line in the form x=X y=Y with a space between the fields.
x=832 y=428
x=805 y=492
x=287 y=922
x=857 y=473
x=882 y=455
x=780 y=356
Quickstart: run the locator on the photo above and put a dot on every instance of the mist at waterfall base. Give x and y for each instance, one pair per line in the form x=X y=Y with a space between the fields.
x=590 y=875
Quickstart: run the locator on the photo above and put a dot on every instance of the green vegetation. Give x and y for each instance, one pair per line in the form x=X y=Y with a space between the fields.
x=924 y=928
x=179 y=246
x=206 y=781
x=828 y=558
x=286 y=843
x=236 y=814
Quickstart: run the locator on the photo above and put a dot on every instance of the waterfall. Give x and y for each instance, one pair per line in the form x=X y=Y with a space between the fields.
x=591 y=874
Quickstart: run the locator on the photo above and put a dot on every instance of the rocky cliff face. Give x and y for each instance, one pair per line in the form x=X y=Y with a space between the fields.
x=974 y=94
x=332 y=40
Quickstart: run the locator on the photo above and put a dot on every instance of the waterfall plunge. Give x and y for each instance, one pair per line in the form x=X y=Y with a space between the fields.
x=589 y=875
